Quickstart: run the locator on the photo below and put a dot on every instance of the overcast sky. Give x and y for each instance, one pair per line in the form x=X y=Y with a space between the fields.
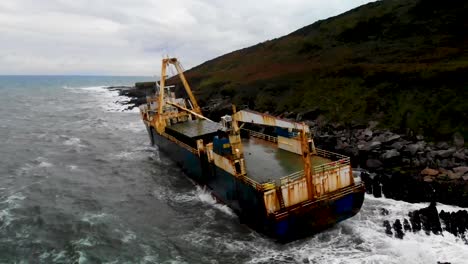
x=129 y=37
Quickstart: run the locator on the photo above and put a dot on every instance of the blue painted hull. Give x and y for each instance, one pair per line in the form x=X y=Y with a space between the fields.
x=247 y=202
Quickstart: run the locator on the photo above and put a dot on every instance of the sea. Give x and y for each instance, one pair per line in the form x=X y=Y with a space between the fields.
x=80 y=183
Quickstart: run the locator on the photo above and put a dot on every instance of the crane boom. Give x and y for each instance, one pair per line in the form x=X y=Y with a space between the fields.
x=249 y=116
x=180 y=71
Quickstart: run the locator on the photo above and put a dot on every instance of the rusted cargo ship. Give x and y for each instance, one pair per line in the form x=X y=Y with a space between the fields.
x=279 y=184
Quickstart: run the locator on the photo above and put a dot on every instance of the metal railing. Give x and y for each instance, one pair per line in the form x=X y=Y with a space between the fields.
x=338 y=160
x=259 y=186
x=261 y=135
x=291 y=177
x=180 y=143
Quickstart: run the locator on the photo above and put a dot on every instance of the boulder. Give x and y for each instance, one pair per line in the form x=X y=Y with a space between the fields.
x=429 y=172
x=465 y=177
x=390 y=138
x=373 y=124
x=397 y=226
x=414 y=148
x=389 y=154
x=384 y=211
x=454 y=175
x=428 y=179
x=446 y=153
x=450 y=174
x=459 y=155
x=443 y=163
x=406 y=225
x=442 y=145
x=458 y=140
x=367 y=133
x=461 y=169
x=388 y=228
x=371 y=146
x=373 y=163
x=397 y=145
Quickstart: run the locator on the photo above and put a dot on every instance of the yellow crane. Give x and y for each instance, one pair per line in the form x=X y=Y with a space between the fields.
x=176 y=63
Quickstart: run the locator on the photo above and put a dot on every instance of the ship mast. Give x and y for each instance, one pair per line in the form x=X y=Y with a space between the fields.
x=176 y=63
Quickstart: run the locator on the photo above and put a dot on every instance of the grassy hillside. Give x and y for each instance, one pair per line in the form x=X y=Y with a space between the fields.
x=402 y=62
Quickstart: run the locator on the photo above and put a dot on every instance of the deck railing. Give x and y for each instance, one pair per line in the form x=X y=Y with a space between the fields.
x=259 y=186
x=261 y=135
x=338 y=160
x=180 y=143
x=291 y=177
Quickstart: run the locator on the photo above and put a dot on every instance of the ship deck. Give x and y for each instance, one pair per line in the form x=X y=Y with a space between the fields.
x=266 y=162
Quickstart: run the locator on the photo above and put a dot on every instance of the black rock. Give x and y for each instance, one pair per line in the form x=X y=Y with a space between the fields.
x=383 y=211
x=388 y=228
x=406 y=225
x=398 y=229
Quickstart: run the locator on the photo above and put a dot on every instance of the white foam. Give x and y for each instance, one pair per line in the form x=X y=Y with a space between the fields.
x=94 y=218
x=82 y=259
x=206 y=197
x=73 y=141
x=87 y=242
x=362 y=239
x=109 y=100
x=12 y=202
x=60 y=256
x=128 y=237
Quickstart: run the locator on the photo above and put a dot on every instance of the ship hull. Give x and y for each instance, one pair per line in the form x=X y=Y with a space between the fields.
x=247 y=202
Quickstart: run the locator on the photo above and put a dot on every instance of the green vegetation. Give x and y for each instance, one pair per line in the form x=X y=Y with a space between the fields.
x=401 y=62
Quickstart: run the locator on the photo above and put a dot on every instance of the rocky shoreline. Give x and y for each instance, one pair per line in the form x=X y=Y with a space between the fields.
x=398 y=166
x=430 y=221
x=403 y=167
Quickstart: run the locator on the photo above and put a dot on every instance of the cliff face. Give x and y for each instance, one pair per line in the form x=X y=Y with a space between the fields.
x=403 y=63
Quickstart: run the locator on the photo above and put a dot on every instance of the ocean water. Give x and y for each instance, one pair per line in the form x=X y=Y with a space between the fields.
x=79 y=183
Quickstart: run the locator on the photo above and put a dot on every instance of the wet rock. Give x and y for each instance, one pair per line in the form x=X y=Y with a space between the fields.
x=429 y=172
x=430 y=219
x=391 y=138
x=373 y=163
x=406 y=225
x=398 y=229
x=419 y=137
x=367 y=133
x=397 y=145
x=384 y=211
x=377 y=189
x=442 y=145
x=455 y=222
x=458 y=140
x=443 y=163
x=446 y=153
x=373 y=124
x=453 y=175
x=371 y=145
x=414 y=148
x=428 y=179
x=388 y=228
x=459 y=155
x=389 y=154
x=415 y=221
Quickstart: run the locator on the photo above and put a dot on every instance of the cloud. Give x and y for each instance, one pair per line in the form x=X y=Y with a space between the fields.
x=129 y=37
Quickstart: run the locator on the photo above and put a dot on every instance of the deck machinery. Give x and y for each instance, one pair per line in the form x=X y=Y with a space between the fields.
x=279 y=183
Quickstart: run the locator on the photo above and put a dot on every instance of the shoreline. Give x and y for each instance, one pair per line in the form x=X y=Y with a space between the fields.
x=400 y=167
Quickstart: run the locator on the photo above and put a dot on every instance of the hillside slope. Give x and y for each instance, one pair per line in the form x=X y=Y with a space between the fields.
x=401 y=62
